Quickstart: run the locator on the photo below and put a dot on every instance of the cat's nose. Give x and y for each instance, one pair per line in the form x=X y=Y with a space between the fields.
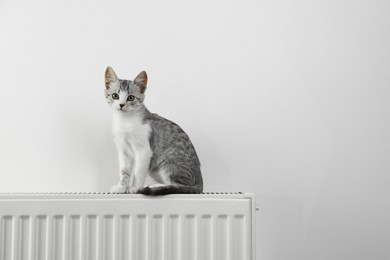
x=121 y=105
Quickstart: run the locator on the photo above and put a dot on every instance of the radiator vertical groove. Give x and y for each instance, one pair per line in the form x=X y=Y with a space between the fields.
x=189 y=235
x=6 y=237
x=123 y=237
x=230 y=243
x=91 y=237
x=166 y=238
x=73 y=251
x=174 y=238
x=239 y=237
x=65 y=234
x=107 y=236
x=82 y=237
x=48 y=235
x=133 y=234
x=99 y=238
x=141 y=237
x=222 y=231
x=157 y=238
x=206 y=238
x=116 y=240
x=23 y=227
x=14 y=237
x=57 y=238
x=31 y=238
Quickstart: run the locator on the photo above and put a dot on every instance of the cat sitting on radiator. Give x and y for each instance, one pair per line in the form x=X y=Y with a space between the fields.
x=156 y=157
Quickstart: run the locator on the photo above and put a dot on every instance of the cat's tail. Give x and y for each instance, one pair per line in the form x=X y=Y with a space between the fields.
x=170 y=189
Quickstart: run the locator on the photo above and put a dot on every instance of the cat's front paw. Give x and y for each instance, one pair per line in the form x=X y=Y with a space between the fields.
x=133 y=190
x=119 y=189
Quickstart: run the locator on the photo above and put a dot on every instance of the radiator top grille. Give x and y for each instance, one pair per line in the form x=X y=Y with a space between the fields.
x=107 y=195
x=103 y=193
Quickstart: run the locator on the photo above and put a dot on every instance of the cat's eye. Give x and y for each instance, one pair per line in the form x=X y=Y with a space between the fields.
x=130 y=98
x=115 y=96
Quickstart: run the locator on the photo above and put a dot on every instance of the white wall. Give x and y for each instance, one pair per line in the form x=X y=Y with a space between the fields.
x=285 y=99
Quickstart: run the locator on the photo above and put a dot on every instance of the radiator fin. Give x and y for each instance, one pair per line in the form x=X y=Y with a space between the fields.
x=58 y=238
x=40 y=239
x=141 y=237
x=239 y=237
x=22 y=252
x=222 y=239
x=91 y=238
x=107 y=237
x=123 y=240
x=190 y=233
x=6 y=237
x=206 y=238
x=74 y=241
x=157 y=237
x=174 y=238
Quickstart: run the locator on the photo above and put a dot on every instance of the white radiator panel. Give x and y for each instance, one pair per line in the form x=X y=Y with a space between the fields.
x=136 y=227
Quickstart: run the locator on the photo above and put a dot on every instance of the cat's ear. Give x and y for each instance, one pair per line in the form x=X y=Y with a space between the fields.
x=110 y=77
x=141 y=80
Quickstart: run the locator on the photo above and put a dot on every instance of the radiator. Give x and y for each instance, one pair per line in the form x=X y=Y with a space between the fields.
x=100 y=226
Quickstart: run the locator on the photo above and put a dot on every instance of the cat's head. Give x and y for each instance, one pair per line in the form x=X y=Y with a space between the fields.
x=125 y=95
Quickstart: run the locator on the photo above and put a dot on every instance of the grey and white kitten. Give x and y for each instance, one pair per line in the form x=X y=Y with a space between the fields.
x=156 y=157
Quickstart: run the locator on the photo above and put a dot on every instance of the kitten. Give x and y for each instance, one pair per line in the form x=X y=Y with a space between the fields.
x=156 y=157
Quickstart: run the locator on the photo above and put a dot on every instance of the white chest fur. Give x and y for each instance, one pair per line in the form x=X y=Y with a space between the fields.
x=131 y=135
